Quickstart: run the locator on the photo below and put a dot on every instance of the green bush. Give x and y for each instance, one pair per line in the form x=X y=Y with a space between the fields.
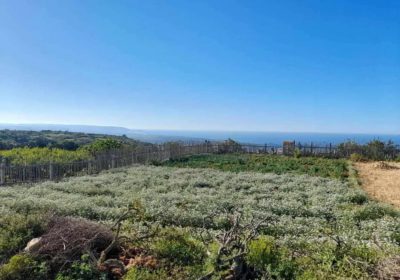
x=16 y=231
x=297 y=153
x=357 y=157
x=358 y=198
x=179 y=248
x=330 y=260
x=23 y=267
x=21 y=156
x=143 y=274
x=267 y=258
x=375 y=149
x=171 y=273
x=373 y=211
x=263 y=252
x=81 y=270
x=395 y=236
x=102 y=145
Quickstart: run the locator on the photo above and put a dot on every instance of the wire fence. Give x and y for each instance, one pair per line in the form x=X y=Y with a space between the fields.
x=18 y=174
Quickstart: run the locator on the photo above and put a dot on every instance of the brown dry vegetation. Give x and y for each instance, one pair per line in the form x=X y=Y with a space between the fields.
x=381 y=180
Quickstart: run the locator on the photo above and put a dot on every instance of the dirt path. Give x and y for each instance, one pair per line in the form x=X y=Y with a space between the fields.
x=381 y=181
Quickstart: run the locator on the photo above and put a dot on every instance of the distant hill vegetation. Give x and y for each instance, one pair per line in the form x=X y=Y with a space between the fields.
x=10 y=139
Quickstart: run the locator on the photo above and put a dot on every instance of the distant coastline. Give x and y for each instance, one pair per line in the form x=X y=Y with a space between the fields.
x=160 y=136
x=279 y=137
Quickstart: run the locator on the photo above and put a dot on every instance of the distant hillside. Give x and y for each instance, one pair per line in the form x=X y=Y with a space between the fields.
x=54 y=139
x=137 y=134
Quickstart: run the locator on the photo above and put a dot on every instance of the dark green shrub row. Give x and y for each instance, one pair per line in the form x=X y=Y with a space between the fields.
x=332 y=168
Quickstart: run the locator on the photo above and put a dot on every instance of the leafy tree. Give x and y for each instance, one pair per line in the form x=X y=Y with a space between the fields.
x=375 y=150
x=103 y=145
x=69 y=145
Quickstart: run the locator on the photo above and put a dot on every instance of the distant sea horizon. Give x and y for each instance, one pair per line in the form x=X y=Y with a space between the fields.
x=163 y=135
x=277 y=138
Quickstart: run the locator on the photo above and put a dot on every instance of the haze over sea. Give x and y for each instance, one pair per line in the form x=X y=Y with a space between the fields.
x=279 y=137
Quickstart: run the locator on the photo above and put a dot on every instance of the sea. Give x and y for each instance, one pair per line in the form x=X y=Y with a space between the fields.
x=276 y=138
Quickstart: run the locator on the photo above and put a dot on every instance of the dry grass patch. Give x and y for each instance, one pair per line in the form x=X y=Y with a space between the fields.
x=381 y=180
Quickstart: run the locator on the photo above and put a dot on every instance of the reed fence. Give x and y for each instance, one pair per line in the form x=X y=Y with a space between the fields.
x=17 y=174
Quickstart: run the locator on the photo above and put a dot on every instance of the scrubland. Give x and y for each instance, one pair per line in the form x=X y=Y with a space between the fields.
x=308 y=227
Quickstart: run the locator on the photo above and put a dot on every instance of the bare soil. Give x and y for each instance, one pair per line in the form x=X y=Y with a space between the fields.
x=381 y=180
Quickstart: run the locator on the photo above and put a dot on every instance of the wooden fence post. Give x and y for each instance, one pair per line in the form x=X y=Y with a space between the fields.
x=89 y=168
x=2 y=172
x=24 y=173
x=112 y=161
x=51 y=171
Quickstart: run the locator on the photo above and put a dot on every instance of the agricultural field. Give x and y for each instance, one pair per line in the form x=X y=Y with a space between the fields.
x=381 y=180
x=257 y=222
x=331 y=168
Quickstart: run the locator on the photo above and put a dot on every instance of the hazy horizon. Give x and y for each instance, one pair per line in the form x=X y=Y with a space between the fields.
x=189 y=130
x=253 y=137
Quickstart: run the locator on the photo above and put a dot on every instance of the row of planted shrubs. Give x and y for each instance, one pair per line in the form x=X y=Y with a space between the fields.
x=179 y=253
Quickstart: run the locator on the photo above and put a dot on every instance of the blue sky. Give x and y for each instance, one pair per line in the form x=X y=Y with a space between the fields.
x=315 y=66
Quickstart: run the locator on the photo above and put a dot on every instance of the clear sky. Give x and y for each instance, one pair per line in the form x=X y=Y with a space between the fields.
x=315 y=66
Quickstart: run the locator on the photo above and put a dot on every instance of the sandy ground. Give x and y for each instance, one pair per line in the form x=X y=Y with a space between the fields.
x=382 y=183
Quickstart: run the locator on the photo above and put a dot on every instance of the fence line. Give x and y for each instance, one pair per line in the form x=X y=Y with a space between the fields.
x=11 y=174
x=15 y=174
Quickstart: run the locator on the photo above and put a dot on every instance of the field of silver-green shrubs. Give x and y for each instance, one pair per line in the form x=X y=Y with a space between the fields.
x=325 y=227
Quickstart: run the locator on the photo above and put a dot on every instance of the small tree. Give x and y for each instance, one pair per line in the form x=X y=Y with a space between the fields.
x=103 y=145
x=375 y=150
x=390 y=150
x=229 y=146
x=349 y=147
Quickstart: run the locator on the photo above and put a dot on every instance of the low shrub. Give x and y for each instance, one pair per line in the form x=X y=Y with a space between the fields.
x=358 y=198
x=202 y=185
x=373 y=211
x=21 y=156
x=168 y=272
x=178 y=247
x=297 y=153
x=23 y=267
x=357 y=157
x=156 y=162
x=15 y=232
x=263 y=253
x=268 y=259
x=395 y=236
x=144 y=274
x=81 y=270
